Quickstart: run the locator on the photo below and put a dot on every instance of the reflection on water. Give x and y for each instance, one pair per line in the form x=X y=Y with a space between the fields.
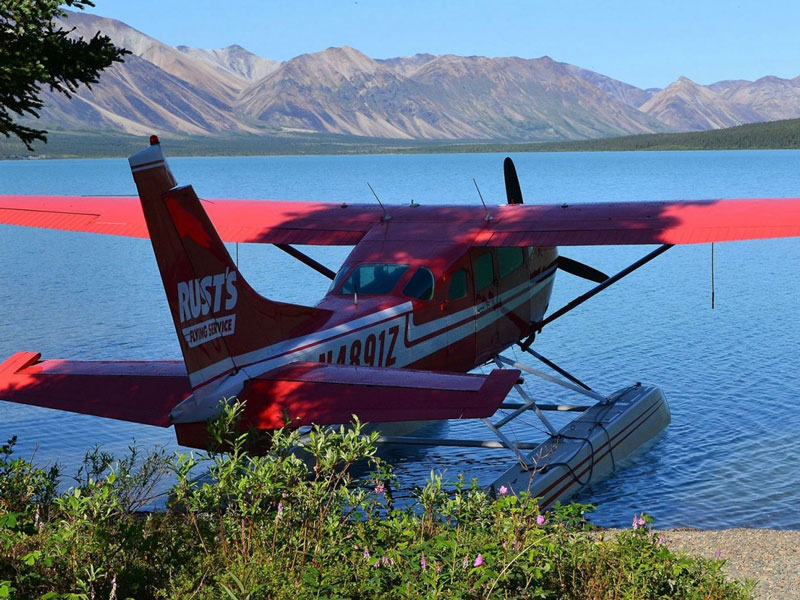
x=728 y=459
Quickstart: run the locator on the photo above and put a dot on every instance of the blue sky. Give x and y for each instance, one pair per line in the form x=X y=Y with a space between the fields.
x=649 y=43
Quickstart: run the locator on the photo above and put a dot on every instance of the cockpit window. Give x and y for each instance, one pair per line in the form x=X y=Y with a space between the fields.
x=373 y=279
x=458 y=285
x=484 y=271
x=510 y=259
x=420 y=285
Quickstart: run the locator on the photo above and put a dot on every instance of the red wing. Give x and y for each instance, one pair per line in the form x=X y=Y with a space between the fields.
x=307 y=393
x=141 y=392
x=318 y=223
x=678 y=222
x=265 y=221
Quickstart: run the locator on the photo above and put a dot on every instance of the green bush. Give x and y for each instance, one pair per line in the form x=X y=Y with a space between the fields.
x=292 y=522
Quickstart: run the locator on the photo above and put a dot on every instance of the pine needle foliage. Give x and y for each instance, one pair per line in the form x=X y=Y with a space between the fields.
x=36 y=52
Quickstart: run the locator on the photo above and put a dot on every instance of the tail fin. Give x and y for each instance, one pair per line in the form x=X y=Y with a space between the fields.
x=218 y=317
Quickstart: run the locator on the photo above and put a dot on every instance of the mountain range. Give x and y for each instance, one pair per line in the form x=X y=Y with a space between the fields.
x=189 y=91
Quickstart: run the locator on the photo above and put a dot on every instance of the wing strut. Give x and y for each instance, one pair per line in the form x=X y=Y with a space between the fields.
x=306 y=260
x=599 y=288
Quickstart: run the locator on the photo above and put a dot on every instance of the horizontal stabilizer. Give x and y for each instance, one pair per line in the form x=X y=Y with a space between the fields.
x=307 y=393
x=140 y=392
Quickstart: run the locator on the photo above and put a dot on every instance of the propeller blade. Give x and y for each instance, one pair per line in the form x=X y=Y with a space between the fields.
x=579 y=269
x=513 y=191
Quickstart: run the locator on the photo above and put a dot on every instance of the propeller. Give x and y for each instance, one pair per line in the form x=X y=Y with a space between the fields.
x=571 y=266
x=579 y=269
x=513 y=191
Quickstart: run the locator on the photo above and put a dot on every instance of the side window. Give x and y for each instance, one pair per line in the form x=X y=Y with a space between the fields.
x=420 y=285
x=458 y=285
x=509 y=259
x=484 y=271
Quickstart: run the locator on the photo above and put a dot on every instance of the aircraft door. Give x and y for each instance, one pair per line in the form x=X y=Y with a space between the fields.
x=487 y=332
x=514 y=283
x=459 y=315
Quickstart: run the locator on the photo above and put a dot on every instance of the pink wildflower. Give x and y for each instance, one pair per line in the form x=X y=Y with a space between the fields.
x=503 y=490
x=718 y=554
x=366 y=553
x=661 y=539
x=540 y=520
x=478 y=561
x=379 y=489
x=422 y=562
x=280 y=509
x=638 y=522
x=385 y=561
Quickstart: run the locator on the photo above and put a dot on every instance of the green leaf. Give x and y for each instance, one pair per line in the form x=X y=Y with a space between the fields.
x=229 y=592
x=311 y=576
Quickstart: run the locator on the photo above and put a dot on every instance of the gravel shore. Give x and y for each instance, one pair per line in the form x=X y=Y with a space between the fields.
x=769 y=556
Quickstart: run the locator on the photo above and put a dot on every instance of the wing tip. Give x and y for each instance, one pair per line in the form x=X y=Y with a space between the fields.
x=17 y=362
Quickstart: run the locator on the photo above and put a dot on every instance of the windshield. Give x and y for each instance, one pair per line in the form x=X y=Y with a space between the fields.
x=373 y=279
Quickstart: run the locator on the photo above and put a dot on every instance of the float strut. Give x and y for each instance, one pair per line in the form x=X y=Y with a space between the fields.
x=555 y=367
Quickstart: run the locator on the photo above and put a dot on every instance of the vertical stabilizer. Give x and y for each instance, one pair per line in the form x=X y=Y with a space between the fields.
x=218 y=317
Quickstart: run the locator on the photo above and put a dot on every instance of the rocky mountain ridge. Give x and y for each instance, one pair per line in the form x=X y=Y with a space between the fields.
x=184 y=90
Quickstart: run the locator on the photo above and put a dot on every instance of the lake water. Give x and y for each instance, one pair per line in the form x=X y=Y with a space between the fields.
x=730 y=458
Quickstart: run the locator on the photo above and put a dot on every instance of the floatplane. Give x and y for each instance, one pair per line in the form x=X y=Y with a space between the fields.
x=427 y=294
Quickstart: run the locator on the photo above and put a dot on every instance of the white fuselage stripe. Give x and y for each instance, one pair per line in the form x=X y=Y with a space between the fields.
x=414 y=343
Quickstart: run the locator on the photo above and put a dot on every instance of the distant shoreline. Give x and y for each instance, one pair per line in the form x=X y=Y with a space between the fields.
x=772 y=135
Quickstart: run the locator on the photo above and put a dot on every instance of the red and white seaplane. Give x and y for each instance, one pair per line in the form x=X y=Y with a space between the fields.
x=427 y=294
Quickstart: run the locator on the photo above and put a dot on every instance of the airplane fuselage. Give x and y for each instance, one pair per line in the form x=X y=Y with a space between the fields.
x=478 y=304
x=456 y=328
x=463 y=321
